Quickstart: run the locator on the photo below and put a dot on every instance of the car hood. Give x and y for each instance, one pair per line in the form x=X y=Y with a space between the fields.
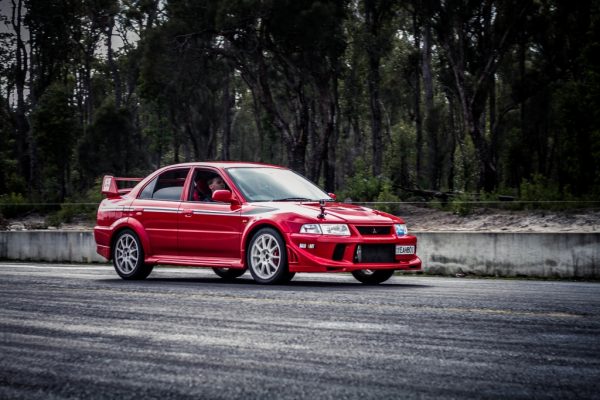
x=334 y=212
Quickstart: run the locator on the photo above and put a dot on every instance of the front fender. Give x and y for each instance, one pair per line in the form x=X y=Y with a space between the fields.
x=253 y=226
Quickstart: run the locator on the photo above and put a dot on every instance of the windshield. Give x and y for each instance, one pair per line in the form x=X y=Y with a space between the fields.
x=274 y=184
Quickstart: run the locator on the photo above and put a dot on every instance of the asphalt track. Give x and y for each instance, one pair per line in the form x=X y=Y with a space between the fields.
x=78 y=331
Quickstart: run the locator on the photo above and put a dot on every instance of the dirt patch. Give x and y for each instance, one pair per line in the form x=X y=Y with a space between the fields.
x=421 y=219
x=485 y=219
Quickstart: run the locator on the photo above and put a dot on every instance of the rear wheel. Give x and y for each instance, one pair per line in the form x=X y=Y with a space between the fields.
x=372 y=277
x=267 y=257
x=128 y=256
x=229 y=273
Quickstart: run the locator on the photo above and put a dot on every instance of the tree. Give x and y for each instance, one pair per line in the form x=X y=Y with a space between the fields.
x=378 y=33
x=107 y=146
x=474 y=37
x=287 y=71
x=55 y=127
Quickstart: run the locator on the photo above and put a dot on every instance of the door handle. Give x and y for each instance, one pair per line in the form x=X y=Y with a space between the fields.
x=188 y=213
x=135 y=211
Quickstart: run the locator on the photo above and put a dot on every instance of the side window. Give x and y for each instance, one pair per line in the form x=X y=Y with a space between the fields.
x=204 y=183
x=148 y=190
x=167 y=186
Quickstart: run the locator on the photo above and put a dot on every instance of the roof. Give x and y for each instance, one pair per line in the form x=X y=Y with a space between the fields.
x=223 y=164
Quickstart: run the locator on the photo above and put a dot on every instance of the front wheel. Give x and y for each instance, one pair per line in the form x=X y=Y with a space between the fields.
x=128 y=256
x=229 y=273
x=371 y=277
x=267 y=257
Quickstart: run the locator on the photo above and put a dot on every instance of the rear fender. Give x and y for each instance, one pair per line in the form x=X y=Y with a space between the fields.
x=136 y=226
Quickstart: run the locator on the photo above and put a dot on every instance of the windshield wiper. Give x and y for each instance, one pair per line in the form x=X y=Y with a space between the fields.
x=293 y=199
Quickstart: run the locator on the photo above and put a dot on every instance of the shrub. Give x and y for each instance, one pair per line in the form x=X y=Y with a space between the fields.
x=13 y=204
x=537 y=192
x=462 y=204
x=389 y=198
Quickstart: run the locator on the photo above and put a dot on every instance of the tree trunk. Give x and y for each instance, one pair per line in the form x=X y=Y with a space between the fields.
x=297 y=157
x=417 y=100
x=24 y=137
x=487 y=167
x=175 y=129
x=113 y=65
x=526 y=163
x=373 y=81
x=330 y=162
x=431 y=121
x=228 y=101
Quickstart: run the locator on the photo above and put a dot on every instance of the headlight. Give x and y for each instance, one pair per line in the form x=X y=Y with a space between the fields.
x=326 y=229
x=401 y=229
x=335 y=229
x=314 y=229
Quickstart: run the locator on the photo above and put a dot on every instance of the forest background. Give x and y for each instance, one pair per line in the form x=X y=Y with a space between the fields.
x=376 y=100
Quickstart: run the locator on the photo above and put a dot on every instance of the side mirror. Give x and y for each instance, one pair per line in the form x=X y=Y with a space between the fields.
x=333 y=196
x=223 y=196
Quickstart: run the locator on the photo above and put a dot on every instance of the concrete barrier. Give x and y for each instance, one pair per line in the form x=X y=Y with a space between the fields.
x=563 y=255
x=51 y=246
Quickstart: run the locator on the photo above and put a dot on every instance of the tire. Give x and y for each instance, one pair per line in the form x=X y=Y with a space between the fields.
x=267 y=257
x=229 y=273
x=288 y=277
x=371 y=277
x=128 y=256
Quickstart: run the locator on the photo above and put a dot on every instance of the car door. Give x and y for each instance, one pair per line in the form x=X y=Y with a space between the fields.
x=208 y=230
x=156 y=209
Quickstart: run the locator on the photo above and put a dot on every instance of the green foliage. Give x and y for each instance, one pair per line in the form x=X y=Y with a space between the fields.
x=107 y=146
x=10 y=180
x=13 y=204
x=541 y=193
x=55 y=128
x=286 y=75
x=462 y=204
x=78 y=208
x=388 y=199
x=362 y=186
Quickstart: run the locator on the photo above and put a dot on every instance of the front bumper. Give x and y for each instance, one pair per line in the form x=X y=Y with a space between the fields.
x=322 y=253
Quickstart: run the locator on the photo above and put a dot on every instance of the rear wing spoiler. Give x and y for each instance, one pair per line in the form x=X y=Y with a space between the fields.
x=110 y=187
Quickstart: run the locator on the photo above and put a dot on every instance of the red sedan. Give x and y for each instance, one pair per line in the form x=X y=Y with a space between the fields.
x=235 y=216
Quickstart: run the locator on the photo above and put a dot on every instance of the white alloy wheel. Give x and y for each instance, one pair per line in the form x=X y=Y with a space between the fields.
x=265 y=256
x=127 y=254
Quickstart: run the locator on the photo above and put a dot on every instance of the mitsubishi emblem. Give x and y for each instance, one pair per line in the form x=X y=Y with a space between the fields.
x=374 y=231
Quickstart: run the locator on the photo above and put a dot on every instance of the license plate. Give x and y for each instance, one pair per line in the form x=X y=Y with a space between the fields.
x=405 y=249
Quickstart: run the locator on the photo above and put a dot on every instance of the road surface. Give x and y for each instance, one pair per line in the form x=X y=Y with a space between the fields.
x=78 y=331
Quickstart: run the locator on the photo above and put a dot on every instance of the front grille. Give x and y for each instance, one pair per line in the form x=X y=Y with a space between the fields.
x=375 y=253
x=374 y=230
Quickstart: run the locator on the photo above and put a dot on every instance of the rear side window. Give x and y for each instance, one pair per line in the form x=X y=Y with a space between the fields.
x=166 y=186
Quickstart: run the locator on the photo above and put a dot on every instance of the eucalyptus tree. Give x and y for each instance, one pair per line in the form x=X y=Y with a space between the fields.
x=474 y=37
x=288 y=54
